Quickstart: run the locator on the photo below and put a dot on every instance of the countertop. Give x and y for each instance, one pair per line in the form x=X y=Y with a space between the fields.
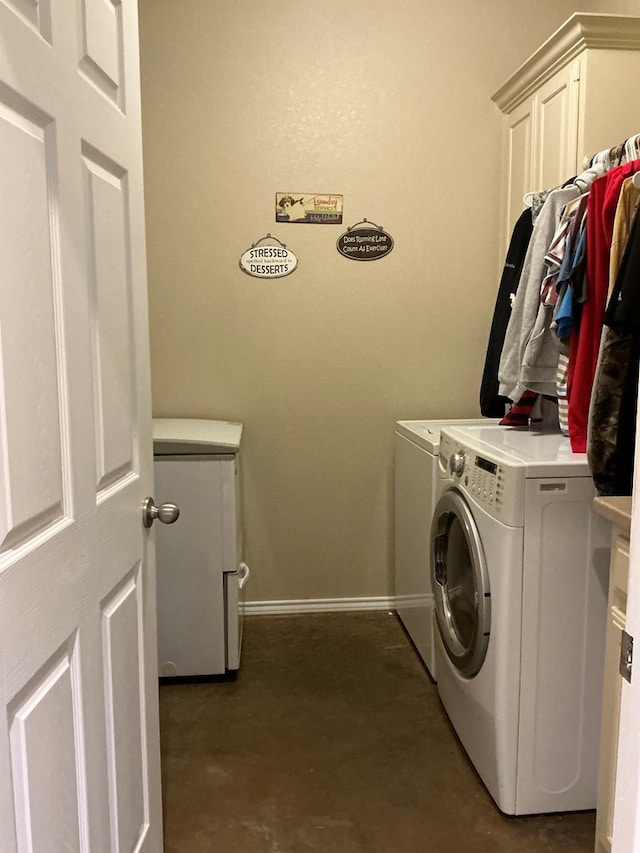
x=616 y=509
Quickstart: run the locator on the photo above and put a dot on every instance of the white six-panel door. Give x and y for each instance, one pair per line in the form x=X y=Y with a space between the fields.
x=79 y=755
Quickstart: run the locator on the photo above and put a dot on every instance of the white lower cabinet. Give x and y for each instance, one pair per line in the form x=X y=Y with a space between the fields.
x=612 y=689
x=200 y=574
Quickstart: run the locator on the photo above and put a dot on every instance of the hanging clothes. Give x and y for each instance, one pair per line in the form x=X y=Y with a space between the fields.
x=585 y=340
x=613 y=418
x=492 y=404
x=571 y=292
x=529 y=359
x=613 y=359
x=572 y=335
x=625 y=213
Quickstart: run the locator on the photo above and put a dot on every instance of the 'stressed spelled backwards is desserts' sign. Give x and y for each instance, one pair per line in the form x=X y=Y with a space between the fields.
x=268 y=261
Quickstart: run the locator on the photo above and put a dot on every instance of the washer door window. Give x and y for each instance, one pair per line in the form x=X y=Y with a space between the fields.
x=460 y=584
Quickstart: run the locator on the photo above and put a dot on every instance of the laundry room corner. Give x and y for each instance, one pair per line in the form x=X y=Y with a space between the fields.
x=389 y=108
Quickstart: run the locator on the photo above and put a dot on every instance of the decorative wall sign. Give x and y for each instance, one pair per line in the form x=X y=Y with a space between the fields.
x=365 y=241
x=325 y=209
x=268 y=261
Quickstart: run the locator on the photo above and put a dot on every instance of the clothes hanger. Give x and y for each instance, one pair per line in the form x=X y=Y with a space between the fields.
x=616 y=154
x=630 y=148
x=595 y=158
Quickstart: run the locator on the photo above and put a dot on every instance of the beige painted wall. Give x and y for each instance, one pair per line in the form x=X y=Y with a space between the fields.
x=388 y=104
x=615 y=7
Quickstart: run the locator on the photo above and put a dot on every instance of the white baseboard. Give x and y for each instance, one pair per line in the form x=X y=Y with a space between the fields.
x=316 y=605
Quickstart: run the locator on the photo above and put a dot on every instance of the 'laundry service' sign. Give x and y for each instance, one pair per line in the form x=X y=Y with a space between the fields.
x=365 y=241
x=268 y=261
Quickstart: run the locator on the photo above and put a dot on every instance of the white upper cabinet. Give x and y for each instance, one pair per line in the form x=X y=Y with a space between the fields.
x=574 y=96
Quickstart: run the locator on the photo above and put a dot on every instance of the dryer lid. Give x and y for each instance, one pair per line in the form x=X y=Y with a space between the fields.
x=192 y=436
x=426 y=434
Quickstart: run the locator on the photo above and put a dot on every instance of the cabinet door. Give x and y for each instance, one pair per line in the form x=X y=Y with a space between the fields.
x=556 y=128
x=520 y=125
x=611 y=692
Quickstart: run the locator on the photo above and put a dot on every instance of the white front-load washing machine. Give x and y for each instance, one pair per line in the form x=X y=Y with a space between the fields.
x=519 y=566
x=416 y=446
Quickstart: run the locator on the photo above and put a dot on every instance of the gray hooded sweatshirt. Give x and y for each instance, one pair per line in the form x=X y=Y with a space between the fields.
x=529 y=358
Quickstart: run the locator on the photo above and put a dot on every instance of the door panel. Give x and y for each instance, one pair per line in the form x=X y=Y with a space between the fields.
x=37 y=757
x=101 y=58
x=122 y=629
x=113 y=365
x=37 y=15
x=30 y=407
x=520 y=138
x=556 y=128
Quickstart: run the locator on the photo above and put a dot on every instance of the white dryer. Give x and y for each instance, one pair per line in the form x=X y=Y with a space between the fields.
x=416 y=446
x=519 y=565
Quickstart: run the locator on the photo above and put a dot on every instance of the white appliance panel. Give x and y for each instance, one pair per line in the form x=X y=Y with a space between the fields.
x=547 y=676
x=195 y=618
x=415 y=471
x=563 y=639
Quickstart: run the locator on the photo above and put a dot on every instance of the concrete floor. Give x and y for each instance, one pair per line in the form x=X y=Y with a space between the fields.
x=333 y=740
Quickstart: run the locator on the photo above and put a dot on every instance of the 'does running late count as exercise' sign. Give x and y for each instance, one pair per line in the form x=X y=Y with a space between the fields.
x=268 y=261
x=365 y=241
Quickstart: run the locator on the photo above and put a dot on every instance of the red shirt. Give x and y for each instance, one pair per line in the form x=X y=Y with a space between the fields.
x=585 y=340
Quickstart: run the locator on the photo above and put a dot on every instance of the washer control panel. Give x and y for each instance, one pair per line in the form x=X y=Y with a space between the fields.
x=485 y=481
x=488 y=481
